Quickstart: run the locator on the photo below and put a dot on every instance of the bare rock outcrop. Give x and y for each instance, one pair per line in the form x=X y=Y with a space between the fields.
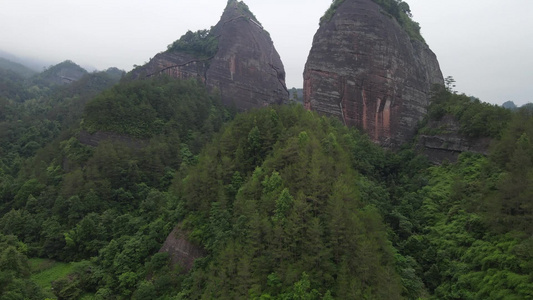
x=246 y=68
x=365 y=69
x=180 y=250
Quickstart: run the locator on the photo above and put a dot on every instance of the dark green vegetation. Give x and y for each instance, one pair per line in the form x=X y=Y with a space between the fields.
x=148 y=108
x=275 y=200
x=201 y=44
x=284 y=203
x=477 y=119
x=12 y=85
x=397 y=9
x=296 y=95
x=331 y=11
x=33 y=114
x=401 y=12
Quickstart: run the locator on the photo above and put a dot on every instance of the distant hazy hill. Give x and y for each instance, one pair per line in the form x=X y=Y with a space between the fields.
x=512 y=106
x=20 y=69
x=509 y=105
x=32 y=63
x=115 y=73
x=62 y=73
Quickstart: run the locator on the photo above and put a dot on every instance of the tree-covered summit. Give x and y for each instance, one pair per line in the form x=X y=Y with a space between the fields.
x=397 y=9
x=202 y=44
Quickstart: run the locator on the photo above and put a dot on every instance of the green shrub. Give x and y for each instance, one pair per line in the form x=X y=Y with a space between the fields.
x=202 y=44
x=398 y=10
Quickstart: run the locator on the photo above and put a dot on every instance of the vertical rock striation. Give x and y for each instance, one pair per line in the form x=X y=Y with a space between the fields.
x=246 y=68
x=364 y=69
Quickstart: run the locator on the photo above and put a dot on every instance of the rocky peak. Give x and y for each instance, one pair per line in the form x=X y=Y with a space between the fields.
x=366 y=70
x=236 y=57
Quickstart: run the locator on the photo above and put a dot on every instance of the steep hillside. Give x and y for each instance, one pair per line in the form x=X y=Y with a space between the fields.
x=367 y=70
x=236 y=57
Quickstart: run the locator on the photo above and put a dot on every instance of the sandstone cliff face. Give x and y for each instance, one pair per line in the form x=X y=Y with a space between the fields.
x=364 y=69
x=246 y=68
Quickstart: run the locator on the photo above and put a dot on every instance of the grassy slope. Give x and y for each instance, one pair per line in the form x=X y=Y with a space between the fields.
x=44 y=271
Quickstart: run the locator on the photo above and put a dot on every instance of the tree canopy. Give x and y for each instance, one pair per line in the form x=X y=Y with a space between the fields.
x=281 y=202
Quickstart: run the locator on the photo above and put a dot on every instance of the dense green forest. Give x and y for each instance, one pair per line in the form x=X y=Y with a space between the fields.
x=283 y=203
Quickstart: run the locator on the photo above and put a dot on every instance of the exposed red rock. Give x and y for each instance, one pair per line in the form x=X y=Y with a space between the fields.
x=180 y=250
x=364 y=69
x=246 y=69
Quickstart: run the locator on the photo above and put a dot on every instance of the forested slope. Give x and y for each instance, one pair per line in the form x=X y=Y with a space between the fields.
x=285 y=204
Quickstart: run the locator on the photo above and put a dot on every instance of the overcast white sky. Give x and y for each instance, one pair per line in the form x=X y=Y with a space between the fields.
x=486 y=45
